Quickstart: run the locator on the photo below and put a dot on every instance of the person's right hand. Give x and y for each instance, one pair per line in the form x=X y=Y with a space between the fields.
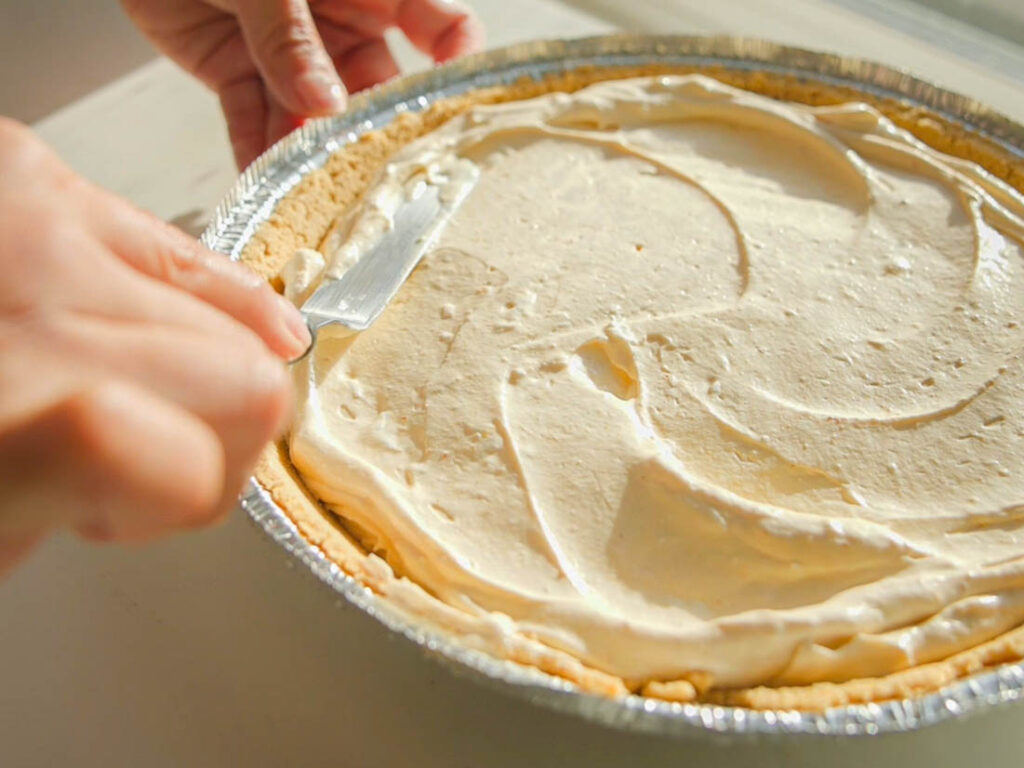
x=140 y=374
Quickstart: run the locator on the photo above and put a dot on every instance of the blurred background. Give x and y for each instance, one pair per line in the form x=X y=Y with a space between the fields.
x=56 y=51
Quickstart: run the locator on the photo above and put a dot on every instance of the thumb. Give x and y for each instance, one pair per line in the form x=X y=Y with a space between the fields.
x=283 y=40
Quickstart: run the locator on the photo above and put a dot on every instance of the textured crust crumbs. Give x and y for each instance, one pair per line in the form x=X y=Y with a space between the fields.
x=305 y=217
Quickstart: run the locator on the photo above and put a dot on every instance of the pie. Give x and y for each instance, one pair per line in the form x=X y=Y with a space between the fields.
x=708 y=388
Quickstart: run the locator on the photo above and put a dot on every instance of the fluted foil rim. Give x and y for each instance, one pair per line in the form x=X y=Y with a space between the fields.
x=264 y=183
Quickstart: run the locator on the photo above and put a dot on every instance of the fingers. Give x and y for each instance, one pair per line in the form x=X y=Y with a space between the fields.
x=289 y=53
x=132 y=430
x=66 y=257
x=167 y=254
x=129 y=465
x=64 y=269
x=241 y=392
x=361 y=61
x=440 y=28
x=138 y=380
x=301 y=63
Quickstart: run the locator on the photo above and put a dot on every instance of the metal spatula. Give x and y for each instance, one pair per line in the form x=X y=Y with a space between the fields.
x=357 y=298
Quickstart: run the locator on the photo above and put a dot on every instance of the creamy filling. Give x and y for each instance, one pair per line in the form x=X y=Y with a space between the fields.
x=693 y=382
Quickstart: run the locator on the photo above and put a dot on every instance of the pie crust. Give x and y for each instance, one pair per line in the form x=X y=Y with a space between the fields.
x=305 y=217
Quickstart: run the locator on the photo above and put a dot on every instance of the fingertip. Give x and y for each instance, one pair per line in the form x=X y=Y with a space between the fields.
x=286 y=46
x=294 y=331
x=466 y=35
x=443 y=29
x=320 y=92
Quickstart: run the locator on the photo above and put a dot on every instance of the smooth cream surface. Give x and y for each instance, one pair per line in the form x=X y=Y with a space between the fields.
x=691 y=382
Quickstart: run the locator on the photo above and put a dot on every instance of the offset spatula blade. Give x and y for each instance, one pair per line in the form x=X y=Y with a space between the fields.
x=357 y=298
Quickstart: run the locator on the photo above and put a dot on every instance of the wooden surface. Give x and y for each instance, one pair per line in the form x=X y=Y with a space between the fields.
x=213 y=650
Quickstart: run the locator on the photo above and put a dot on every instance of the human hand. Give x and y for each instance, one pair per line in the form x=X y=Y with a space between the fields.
x=140 y=374
x=275 y=62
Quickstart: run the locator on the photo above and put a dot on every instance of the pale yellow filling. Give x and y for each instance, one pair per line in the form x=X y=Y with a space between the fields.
x=692 y=381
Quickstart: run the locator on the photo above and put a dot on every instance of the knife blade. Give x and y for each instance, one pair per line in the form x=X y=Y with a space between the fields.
x=358 y=297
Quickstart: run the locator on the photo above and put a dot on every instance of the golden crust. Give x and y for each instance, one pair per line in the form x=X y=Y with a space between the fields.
x=305 y=217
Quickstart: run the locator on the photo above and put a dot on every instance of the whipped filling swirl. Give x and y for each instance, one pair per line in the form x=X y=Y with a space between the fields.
x=693 y=384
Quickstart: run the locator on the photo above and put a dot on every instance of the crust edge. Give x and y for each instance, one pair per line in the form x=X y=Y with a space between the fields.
x=304 y=218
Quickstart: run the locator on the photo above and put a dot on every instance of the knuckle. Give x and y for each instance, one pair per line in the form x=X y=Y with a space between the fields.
x=283 y=40
x=175 y=262
x=87 y=428
x=48 y=270
x=88 y=437
x=25 y=155
x=90 y=427
x=40 y=274
x=50 y=243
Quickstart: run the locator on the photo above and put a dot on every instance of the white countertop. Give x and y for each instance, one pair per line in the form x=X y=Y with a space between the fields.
x=212 y=649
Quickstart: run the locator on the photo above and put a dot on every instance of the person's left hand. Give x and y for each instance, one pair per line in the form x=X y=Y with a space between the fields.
x=274 y=63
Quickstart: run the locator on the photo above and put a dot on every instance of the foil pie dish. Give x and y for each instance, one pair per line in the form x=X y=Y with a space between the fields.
x=268 y=181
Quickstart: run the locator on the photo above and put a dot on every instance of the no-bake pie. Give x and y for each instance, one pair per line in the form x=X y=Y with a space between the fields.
x=709 y=387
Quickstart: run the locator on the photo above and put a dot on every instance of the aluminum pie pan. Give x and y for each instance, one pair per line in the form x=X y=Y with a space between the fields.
x=264 y=183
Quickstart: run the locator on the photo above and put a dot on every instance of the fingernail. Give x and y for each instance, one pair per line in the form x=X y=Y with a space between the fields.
x=321 y=92
x=295 y=325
